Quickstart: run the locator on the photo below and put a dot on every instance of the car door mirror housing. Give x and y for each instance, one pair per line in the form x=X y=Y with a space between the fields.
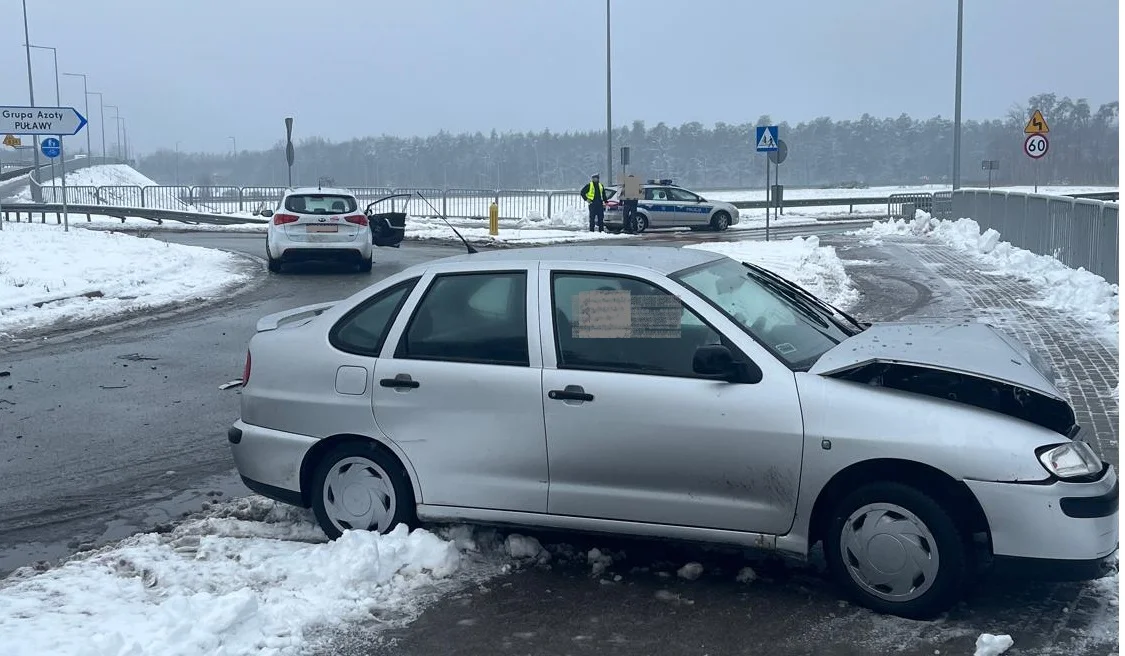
x=267 y=213
x=718 y=362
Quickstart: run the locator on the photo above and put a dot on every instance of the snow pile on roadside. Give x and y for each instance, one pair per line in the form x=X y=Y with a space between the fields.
x=47 y=275
x=105 y=175
x=252 y=577
x=511 y=232
x=801 y=260
x=1084 y=295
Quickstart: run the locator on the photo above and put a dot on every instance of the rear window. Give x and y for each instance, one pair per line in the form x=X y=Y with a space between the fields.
x=320 y=204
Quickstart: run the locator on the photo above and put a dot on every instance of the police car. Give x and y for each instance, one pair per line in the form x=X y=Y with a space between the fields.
x=667 y=205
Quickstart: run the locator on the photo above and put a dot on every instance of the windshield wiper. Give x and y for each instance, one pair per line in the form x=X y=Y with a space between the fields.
x=809 y=298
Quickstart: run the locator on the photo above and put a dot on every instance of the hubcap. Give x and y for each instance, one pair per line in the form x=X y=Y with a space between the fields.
x=358 y=495
x=889 y=552
x=722 y=221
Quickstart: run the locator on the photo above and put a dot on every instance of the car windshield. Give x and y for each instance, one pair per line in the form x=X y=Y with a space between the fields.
x=794 y=325
x=320 y=204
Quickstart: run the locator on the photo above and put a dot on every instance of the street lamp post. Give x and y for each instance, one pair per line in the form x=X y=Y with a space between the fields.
x=55 y=57
x=957 y=105
x=36 y=194
x=117 y=121
x=86 y=96
x=177 y=163
x=608 y=102
x=125 y=139
x=234 y=145
x=101 y=115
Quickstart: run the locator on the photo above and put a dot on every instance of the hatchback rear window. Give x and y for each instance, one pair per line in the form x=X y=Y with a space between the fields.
x=320 y=204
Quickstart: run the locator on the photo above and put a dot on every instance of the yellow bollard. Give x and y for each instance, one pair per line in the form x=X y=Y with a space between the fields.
x=493 y=219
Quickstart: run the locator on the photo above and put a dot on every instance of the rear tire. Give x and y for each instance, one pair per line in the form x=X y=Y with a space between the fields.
x=273 y=265
x=358 y=486
x=894 y=549
x=640 y=223
x=365 y=266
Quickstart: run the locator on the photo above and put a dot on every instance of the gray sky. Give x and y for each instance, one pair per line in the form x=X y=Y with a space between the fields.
x=198 y=71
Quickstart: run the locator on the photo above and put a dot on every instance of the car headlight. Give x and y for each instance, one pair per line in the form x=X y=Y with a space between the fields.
x=1071 y=460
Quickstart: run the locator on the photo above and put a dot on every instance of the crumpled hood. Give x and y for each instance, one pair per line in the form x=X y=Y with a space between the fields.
x=963 y=347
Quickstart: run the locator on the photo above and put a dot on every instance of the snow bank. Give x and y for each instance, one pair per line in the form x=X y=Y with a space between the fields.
x=524 y=231
x=801 y=260
x=106 y=175
x=47 y=275
x=1081 y=294
x=252 y=577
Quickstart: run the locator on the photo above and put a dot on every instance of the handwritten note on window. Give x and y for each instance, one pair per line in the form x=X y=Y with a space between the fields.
x=619 y=314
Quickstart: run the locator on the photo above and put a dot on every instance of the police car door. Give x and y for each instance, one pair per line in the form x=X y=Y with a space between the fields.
x=661 y=209
x=691 y=210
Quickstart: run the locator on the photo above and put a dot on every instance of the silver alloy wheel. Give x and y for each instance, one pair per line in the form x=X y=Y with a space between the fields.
x=889 y=552
x=722 y=221
x=640 y=223
x=358 y=495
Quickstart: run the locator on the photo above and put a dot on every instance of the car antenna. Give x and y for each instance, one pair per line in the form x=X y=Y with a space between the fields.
x=468 y=246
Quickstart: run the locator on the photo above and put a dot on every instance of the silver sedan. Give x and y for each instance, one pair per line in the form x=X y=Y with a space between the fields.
x=678 y=394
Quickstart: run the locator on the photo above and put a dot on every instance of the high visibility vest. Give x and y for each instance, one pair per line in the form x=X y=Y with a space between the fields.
x=595 y=191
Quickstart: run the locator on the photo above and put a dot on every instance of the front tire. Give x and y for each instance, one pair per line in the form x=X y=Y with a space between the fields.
x=720 y=222
x=358 y=486
x=897 y=550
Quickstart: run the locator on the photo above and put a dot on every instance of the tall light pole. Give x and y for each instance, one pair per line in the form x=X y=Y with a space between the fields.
x=35 y=193
x=101 y=115
x=608 y=102
x=177 y=163
x=234 y=144
x=117 y=121
x=125 y=139
x=55 y=57
x=957 y=107
x=86 y=96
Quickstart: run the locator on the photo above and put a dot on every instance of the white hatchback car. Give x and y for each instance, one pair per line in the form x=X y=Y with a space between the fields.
x=318 y=225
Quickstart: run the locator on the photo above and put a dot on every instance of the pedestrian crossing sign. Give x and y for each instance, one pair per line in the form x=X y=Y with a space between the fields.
x=766 y=138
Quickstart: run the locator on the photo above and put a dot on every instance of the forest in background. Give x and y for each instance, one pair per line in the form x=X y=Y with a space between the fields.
x=823 y=152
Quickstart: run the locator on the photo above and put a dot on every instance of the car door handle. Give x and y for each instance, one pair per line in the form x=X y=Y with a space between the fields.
x=571 y=393
x=401 y=381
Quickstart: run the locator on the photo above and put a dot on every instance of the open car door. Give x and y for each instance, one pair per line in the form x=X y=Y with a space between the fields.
x=388 y=228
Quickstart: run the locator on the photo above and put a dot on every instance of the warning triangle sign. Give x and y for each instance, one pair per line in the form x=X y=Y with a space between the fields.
x=767 y=140
x=1037 y=124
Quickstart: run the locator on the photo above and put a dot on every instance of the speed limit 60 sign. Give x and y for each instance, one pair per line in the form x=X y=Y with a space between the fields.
x=1036 y=145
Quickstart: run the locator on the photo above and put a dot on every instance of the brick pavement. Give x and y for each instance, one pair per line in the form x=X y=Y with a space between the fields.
x=1086 y=364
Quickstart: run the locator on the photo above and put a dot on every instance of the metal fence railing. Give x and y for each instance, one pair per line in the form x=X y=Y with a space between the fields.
x=896 y=203
x=454 y=203
x=1078 y=232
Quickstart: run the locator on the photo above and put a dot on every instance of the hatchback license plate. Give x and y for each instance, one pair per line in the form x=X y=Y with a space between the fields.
x=322 y=228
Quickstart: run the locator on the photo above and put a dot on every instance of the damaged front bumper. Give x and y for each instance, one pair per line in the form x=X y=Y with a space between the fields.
x=1052 y=529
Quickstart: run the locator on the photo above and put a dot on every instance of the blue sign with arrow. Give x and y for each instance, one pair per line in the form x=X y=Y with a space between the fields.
x=51 y=147
x=766 y=138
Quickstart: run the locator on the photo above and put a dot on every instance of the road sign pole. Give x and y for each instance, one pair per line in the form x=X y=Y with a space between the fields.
x=767 y=198
x=62 y=163
x=1 y=199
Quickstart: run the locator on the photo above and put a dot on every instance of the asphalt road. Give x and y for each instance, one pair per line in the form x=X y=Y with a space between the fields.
x=121 y=432
x=113 y=433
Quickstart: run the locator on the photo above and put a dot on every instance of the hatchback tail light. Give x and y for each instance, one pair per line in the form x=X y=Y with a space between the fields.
x=612 y=204
x=357 y=219
x=246 y=370
x=281 y=219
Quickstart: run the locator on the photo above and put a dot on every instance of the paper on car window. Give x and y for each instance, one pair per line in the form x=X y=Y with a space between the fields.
x=619 y=314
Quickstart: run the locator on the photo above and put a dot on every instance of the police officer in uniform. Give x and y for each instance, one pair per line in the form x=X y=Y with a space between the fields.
x=630 y=195
x=594 y=193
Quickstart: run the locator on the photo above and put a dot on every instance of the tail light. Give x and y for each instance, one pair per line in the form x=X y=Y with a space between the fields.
x=282 y=219
x=246 y=370
x=611 y=204
x=357 y=219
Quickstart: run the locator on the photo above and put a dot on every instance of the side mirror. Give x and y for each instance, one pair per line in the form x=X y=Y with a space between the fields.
x=267 y=213
x=716 y=361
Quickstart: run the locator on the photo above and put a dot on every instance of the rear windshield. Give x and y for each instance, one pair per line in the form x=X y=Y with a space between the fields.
x=320 y=204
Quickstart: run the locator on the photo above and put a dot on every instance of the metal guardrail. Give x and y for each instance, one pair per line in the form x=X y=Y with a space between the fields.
x=1079 y=232
x=158 y=216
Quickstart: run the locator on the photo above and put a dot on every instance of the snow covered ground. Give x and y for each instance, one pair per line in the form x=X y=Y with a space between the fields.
x=1084 y=295
x=802 y=260
x=47 y=275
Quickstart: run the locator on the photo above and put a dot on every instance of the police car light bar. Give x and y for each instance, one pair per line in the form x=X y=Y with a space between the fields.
x=665 y=181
